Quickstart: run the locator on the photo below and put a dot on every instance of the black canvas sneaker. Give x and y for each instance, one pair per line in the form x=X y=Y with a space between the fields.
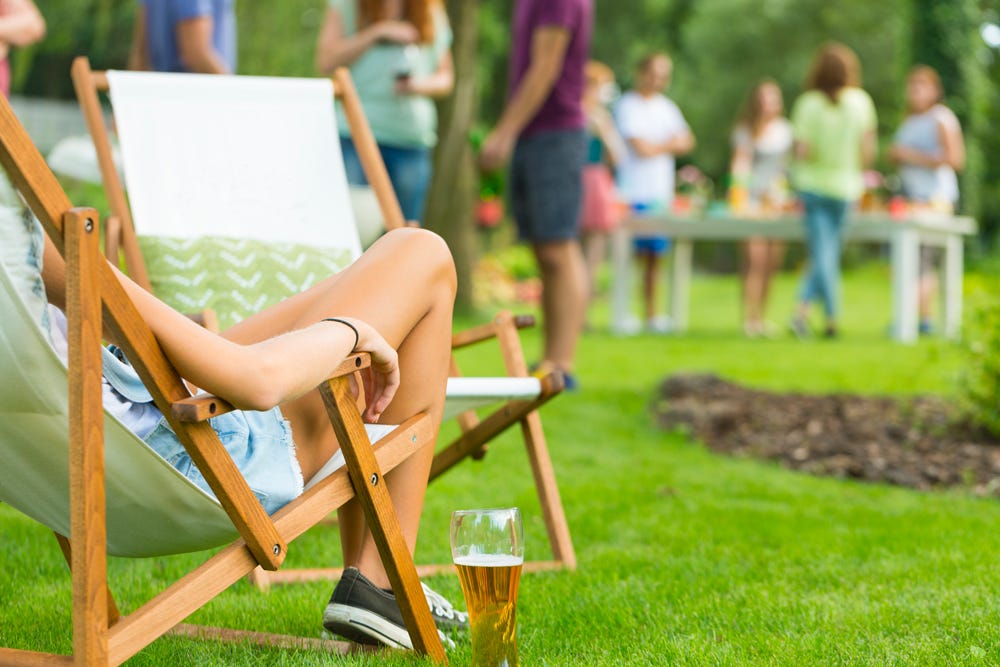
x=364 y=613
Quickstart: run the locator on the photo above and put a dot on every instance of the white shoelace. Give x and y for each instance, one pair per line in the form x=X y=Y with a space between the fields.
x=440 y=605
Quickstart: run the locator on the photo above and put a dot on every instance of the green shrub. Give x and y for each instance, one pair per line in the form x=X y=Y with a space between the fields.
x=980 y=385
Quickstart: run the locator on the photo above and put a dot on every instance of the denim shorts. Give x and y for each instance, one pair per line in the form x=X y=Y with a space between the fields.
x=651 y=245
x=261 y=446
x=546 y=185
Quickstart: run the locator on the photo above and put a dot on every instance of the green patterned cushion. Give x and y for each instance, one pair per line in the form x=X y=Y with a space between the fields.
x=233 y=277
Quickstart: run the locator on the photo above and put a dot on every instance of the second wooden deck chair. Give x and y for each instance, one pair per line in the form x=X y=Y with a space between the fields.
x=270 y=145
x=76 y=469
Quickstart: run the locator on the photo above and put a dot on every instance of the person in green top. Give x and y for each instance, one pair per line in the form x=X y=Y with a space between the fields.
x=833 y=125
x=399 y=53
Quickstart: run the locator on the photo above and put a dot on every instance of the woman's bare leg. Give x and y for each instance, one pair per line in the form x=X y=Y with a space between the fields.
x=755 y=277
x=404 y=286
x=775 y=257
x=650 y=269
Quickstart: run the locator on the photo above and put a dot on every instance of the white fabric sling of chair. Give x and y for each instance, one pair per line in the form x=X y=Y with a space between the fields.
x=240 y=182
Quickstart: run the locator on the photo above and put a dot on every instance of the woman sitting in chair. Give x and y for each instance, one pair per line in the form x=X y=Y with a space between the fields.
x=277 y=358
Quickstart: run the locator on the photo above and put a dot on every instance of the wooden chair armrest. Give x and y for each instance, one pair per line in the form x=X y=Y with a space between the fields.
x=205 y=406
x=552 y=383
x=487 y=331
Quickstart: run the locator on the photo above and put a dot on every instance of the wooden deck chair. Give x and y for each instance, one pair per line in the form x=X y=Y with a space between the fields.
x=144 y=104
x=76 y=469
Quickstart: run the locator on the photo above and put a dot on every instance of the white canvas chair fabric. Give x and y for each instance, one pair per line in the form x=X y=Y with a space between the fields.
x=34 y=430
x=257 y=158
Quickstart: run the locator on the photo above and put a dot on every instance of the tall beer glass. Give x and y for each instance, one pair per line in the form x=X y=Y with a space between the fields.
x=488 y=549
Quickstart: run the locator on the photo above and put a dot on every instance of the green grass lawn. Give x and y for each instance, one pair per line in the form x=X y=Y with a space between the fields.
x=685 y=557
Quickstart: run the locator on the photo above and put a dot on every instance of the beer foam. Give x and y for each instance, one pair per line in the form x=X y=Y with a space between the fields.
x=489 y=560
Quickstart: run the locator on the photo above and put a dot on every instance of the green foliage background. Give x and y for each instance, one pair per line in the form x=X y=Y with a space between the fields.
x=720 y=49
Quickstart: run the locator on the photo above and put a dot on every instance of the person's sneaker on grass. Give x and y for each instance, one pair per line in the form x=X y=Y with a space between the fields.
x=799 y=328
x=660 y=324
x=366 y=614
x=446 y=617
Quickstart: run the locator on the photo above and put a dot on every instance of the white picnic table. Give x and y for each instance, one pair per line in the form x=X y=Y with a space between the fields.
x=904 y=235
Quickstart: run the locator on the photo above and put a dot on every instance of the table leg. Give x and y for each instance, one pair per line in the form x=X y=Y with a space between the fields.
x=905 y=251
x=680 y=287
x=951 y=291
x=621 y=241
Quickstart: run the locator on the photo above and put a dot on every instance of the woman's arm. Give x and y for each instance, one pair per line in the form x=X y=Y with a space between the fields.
x=606 y=130
x=438 y=84
x=138 y=55
x=335 y=49
x=741 y=161
x=952 y=142
x=952 y=147
x=548 y=53
x=256 y=376
x=195 y=48
x=679 y=144
x=869 y=146
x=21 y=24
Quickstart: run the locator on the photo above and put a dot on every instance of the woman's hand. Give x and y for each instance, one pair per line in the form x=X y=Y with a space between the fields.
x=399 y=32
x=382 y=380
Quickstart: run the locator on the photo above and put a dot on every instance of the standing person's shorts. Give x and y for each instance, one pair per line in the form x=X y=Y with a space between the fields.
x=649 y=245
x=546 y=185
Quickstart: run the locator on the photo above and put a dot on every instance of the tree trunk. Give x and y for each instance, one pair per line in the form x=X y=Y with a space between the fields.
x=454 y=188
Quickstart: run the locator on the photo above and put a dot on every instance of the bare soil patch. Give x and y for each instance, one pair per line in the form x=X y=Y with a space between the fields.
x=916 y=442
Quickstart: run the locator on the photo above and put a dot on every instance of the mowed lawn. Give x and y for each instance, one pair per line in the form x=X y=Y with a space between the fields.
x=685 y=557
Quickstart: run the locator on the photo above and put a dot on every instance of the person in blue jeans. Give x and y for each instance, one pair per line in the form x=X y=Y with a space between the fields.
x=824 y=221
x=399 y=54
x=833 y=124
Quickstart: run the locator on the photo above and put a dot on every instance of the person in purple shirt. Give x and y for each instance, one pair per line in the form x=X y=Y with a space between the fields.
x=185 y=36
x=541 y=131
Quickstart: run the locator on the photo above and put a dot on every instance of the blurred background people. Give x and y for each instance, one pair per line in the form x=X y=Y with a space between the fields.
x=21 y=24
x=929 y=149
x=196 y=36
x=399 y=53
x=655 y=132
x=600 y=211
x=541 y=131
x=762 y=142
x=834 y=125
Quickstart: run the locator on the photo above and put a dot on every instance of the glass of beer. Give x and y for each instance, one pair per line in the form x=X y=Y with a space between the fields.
x=488 y=549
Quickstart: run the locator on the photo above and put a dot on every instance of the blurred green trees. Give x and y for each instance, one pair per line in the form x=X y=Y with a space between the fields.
x=720 y=48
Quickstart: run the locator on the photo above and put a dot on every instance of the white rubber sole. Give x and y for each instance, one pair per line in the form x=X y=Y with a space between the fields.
x=359 y=624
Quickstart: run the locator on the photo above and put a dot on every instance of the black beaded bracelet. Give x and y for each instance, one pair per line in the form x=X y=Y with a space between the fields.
x=357 y=336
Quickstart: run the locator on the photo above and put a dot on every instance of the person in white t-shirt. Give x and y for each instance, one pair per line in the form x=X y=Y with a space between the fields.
x=655 y=132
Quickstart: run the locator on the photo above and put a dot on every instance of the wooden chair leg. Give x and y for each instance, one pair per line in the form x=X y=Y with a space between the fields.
x=369 y=485
x=548 y=491
x=538 y=451
x=67 y=551
x=86 y=438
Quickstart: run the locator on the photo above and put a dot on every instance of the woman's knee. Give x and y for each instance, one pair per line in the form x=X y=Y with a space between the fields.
x=433 y=254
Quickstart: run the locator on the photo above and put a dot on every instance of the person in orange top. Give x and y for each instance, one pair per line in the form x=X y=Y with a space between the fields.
x=600 y=210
